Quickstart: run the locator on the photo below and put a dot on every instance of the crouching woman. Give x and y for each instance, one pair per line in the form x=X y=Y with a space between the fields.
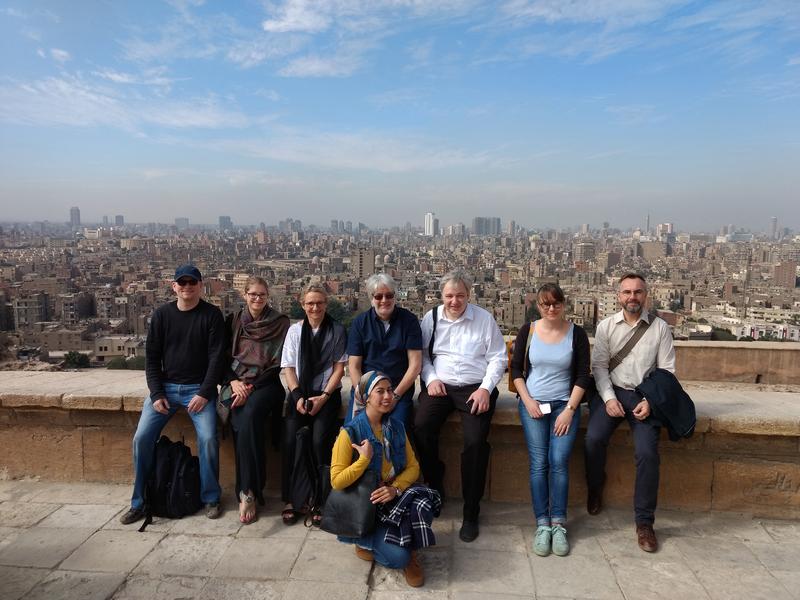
x=381 y=445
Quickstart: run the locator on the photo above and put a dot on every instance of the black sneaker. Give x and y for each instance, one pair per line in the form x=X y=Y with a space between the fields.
x=213 y=510
x=133 y=515
x=469 y=531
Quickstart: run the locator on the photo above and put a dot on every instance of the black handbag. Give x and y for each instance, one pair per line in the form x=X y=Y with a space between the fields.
x=350 y=512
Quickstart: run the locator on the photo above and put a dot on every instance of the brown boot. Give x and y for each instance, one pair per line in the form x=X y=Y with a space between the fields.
x=413 y=572
x=646 y=537
x=364 y=554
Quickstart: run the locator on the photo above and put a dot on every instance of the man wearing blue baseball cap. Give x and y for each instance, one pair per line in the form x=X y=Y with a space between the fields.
x=183 y=364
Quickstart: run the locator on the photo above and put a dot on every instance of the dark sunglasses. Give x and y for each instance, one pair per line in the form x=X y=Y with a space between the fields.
x=379 y=297
x=185 y=282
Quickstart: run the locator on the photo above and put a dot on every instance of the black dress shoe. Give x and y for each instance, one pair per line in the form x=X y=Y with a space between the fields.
x=594 y=502
x=469 y=531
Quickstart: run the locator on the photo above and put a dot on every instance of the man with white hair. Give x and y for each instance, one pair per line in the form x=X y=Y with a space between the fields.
x=386 y=338
x=463 y=360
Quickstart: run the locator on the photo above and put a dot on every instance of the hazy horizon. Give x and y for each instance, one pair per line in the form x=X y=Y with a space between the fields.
x=546 y=113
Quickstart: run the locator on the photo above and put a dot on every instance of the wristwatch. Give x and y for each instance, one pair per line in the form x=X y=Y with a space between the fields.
x=395 y=396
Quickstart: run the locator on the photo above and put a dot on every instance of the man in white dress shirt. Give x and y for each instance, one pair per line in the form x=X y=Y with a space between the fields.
x=460 y=371
x=617 y=401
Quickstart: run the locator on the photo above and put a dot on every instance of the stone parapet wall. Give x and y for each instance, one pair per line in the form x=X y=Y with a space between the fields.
x=744 y=456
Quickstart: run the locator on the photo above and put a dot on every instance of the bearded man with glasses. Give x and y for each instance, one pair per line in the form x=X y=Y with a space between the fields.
x=385 y=338
x=183 y=360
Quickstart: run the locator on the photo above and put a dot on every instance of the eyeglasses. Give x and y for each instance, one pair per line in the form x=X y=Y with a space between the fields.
x=387 y=296
x=551 y=305
x=321 y=303
x=185 y=282
x=254 y=296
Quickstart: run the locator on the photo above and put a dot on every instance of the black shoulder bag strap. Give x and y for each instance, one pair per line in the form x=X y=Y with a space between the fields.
x=434 y=314
x=617 y=359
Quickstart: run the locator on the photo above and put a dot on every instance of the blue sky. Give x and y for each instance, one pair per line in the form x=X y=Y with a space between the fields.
x=552 y=113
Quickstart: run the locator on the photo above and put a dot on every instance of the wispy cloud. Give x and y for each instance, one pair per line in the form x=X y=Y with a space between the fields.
x=75 y=101
x=155 y=76
x=60 y=55
x=793 y=61
x=370 y=151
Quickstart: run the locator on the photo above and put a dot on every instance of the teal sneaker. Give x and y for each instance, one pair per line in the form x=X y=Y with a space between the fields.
x=560 y=543
x=541 y=543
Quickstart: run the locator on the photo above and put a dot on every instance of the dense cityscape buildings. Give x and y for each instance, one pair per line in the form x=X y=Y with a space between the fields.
x=92 y=288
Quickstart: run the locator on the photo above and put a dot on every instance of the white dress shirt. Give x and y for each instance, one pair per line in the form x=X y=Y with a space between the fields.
x=653 y=350
x=466 y=351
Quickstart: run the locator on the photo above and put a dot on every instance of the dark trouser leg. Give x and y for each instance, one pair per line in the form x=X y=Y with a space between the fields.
x=645 y=441
x=475 y=456
x=248 y=425
x=598 y=432
x=431 y=414
x=324 y=428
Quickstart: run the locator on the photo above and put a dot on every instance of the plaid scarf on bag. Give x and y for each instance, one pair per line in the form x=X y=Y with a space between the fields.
x=409 y=518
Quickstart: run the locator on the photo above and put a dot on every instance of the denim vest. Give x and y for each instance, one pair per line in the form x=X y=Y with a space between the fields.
x=359 y=430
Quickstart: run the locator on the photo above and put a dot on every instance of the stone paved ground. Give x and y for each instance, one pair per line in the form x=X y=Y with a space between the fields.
x=65 y=541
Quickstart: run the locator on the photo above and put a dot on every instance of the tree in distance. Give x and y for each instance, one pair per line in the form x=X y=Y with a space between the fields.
x=75 y=360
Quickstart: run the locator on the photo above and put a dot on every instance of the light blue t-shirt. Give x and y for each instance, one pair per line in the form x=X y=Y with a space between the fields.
x=551 y=368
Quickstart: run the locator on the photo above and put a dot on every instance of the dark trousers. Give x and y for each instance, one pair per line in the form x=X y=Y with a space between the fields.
x=323 y=425
x=432 y=412
x=645 y=440
x=248 y=424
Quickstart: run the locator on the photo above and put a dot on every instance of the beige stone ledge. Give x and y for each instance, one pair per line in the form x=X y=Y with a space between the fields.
x=735 y=409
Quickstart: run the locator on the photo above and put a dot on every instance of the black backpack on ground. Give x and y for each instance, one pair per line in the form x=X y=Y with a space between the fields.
x=173 y=489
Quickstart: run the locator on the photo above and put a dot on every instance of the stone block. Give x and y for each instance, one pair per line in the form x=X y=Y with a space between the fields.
x=112 y=551
x=762 y=487
x=303 y=590
x=20 y=399
x=81 y=401
x=184 y=555
x=106 y=419
x=7 y=416
x=79 y=516
x=685 y=479
x=54 y=417
x=246 y=559
x=146 y=587
x=509 y=473
x=18 y=580
x=235 y=589
x=70 y=584
x=330 y=562
x=49 y=452
x=133 y=403
x=42 y=547
x=749 y=445
x=108 y=455
x=477 y=571
x=656 y=579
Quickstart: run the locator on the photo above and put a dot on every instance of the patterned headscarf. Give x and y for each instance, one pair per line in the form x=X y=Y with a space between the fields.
x=366 y=384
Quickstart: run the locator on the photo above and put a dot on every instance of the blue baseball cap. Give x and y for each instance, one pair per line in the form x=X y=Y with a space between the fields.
x=188 y=271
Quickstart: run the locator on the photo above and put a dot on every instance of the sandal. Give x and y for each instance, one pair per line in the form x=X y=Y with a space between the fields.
x=249 y=515
x=316 y=518
x=289 y=516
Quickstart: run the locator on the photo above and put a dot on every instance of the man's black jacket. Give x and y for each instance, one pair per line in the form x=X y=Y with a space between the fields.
x=669 y=403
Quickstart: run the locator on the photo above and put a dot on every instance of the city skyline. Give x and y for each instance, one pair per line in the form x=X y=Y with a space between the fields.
x=551 y=114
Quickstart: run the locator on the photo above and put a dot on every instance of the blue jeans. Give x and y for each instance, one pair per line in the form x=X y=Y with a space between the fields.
x=549 y=462
x=151 y=422
x=390 y=556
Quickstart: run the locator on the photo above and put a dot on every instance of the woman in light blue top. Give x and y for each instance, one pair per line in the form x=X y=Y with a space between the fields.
x=550 y=368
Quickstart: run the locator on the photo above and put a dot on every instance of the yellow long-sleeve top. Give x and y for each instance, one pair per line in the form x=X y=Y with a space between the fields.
x=344 y=473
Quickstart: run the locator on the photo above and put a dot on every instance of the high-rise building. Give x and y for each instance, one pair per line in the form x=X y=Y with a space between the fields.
x=75 y=216
x=785 y=275
x=362 y=262
x=512 y=228
x=486 y=226
x=181 y=223
x=334 y=226
x=773 y=233
x=105 y=220
x=119 y=221
x=430 y=229
x=585 y=229
x=225 y=223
